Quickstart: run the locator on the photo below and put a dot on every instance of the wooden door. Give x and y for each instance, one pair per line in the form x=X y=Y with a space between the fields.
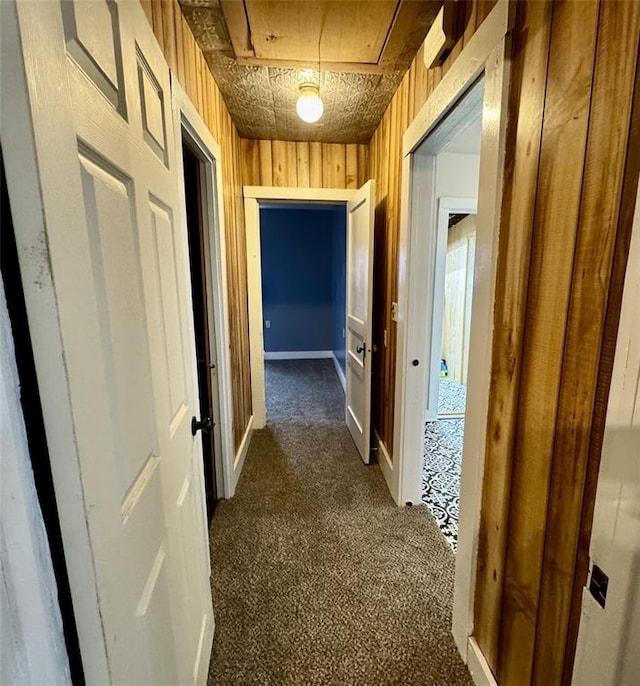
x=360 y=218
x=118 y=367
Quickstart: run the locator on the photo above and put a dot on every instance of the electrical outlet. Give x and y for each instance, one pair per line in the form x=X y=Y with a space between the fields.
x=394 y=312
x=267 y=323
x=598 y=585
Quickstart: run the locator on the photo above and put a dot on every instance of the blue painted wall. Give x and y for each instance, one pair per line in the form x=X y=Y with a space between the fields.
x=303 y=252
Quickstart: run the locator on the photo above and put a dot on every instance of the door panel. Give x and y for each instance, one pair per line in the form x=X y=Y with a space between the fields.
x=163 y=286
x=360 y=217
x=92 y=36
x=120 y=284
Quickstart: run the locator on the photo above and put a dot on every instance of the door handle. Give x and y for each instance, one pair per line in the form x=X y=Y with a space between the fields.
x=360 y=349
x=205 y=425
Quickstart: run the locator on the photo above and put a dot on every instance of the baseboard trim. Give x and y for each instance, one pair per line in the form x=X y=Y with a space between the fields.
x=339 y=372
x=384 y=460
x=478 y=665
x=241 y=455
x=299 y=355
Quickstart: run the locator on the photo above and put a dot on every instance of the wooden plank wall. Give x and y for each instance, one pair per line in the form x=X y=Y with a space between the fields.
x=458 y=288
x=187 y=61
x=385 y=151
x=570 y=183
x=304 y=164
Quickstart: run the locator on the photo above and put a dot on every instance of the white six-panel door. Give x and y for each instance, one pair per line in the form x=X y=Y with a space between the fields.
x=360 y=219
x=116 y=263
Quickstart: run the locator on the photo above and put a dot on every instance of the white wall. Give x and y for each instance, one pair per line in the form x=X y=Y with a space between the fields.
x=457 y=175
x=458 y=293
x=32 y=649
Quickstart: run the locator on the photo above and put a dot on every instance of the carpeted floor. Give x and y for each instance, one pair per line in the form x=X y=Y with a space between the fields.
x=317 y=577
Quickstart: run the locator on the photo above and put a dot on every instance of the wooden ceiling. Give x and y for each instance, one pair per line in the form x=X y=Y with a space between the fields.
x=261 y=50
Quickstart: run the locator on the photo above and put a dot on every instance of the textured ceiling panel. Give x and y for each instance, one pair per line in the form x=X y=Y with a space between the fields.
x=262 y=99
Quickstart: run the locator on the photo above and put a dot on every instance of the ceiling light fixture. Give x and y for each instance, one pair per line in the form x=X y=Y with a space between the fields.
x=309 y=105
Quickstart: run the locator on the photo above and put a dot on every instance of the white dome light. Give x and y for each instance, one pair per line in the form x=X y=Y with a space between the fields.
x=309 y=105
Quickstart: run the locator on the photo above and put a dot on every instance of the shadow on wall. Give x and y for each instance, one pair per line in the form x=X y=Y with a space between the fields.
x=380 y=297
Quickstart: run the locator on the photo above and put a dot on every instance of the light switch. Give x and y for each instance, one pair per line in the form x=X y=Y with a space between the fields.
x=343 y=333
x=385 y=338
x=394 y=312
x=267 y=323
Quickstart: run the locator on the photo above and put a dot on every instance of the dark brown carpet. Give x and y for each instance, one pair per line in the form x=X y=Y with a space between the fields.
x=318 y=578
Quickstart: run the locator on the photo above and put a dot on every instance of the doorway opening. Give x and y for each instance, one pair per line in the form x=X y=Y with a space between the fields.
x=359 y=212
x=456 y=159
x=203 y=320
x=303 y=260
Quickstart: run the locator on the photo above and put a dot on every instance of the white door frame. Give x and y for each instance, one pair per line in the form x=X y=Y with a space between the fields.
x=253 y=196
x=188 y=121
x=446 y=207
x=487 y=52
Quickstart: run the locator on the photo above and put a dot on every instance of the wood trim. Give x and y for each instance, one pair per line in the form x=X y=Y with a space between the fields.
x=384 y=462
x=339 y=67
x=339 y=372
x=477 y=51
x=478 y=666
x=185 y=114
x=521 y=174
x=256 y=340
x=243 y=449
x=300 y=355
x=235 y=17
x=252 y=196
x=294 y=193
x=562 y=256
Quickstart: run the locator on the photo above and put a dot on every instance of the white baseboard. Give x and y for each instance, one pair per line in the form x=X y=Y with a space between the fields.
x=478 y=666
x=340 y=373
x=241 y=455
x=386 y=465
x=300 y=355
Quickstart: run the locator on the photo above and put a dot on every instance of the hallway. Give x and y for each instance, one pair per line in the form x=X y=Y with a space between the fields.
x=318 y=578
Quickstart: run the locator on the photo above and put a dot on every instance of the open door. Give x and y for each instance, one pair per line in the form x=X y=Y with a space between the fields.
x=360 y=218
x=93 y=181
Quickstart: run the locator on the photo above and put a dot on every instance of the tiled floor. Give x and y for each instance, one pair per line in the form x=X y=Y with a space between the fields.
x=443 y=459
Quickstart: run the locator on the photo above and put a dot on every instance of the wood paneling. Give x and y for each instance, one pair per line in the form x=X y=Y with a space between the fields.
x=304 y=165
x=571 y=170
x=610 y=154
x=568 y=201
x=185 y=58
x=386 y=160
x=528 y=87
x=556 y=212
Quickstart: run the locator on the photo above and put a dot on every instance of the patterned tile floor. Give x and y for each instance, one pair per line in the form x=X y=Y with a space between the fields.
x=443 y=459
